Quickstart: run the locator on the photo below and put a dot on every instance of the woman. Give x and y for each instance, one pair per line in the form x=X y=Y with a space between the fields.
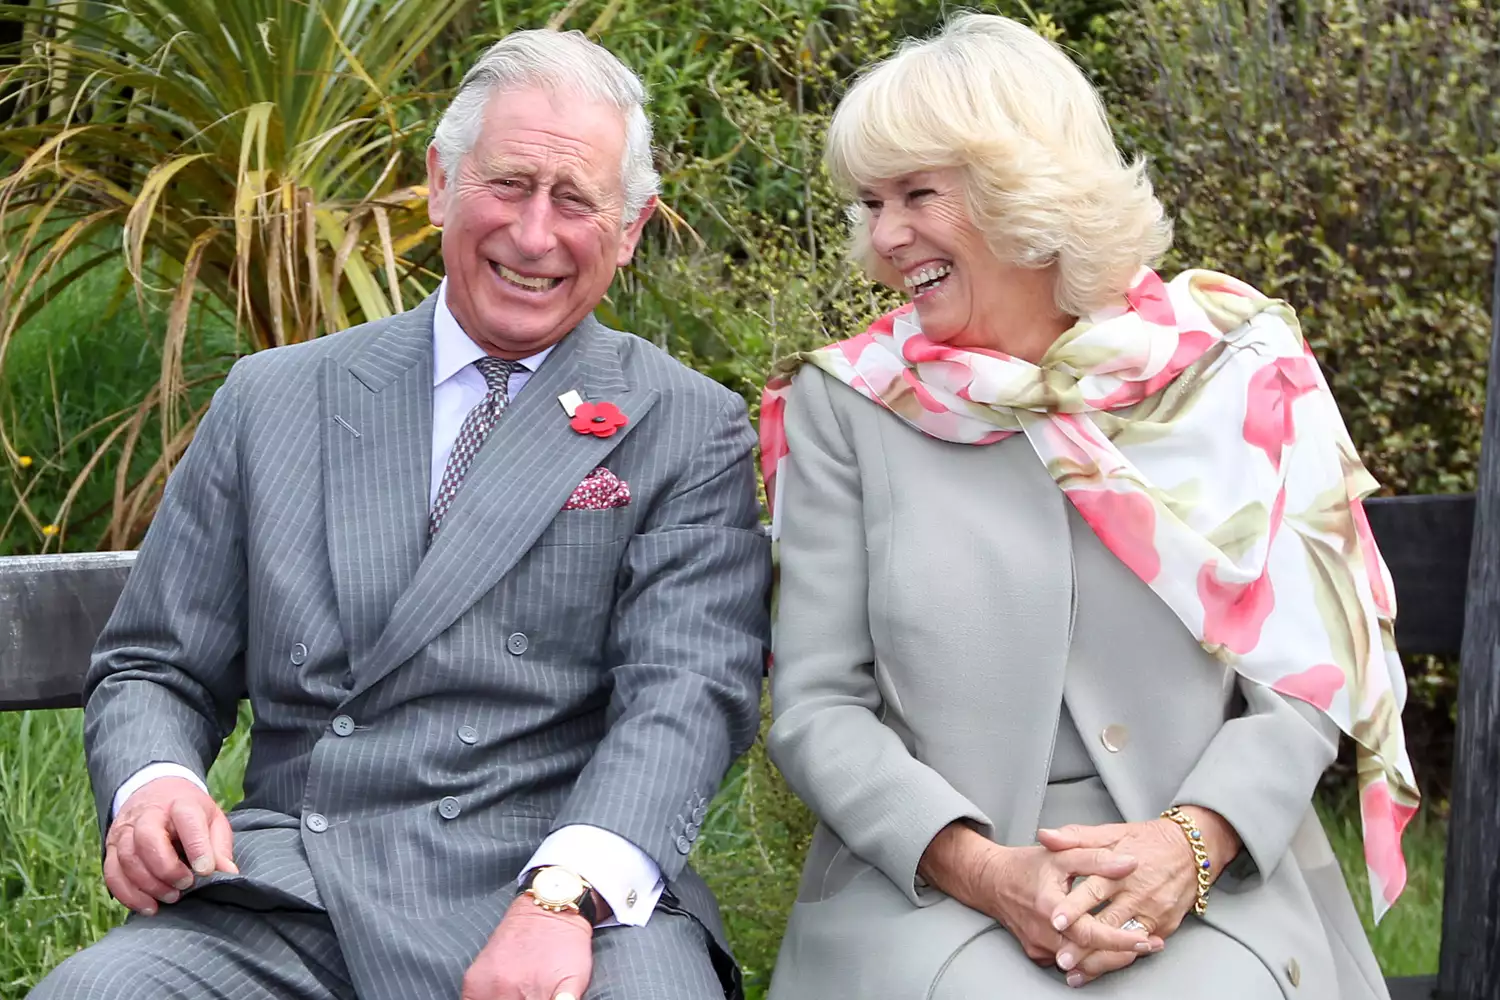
x=1077 y=593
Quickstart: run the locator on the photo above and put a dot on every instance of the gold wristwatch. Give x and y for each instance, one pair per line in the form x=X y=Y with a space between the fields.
x=558 y=890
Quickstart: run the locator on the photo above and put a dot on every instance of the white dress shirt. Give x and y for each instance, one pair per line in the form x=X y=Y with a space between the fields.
x=628 y=880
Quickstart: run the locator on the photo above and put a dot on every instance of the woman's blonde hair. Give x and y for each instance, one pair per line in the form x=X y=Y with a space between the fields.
x=1044 y=180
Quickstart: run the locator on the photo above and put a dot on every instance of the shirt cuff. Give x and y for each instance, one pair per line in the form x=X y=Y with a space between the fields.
x=145 y=776
x=624 y=875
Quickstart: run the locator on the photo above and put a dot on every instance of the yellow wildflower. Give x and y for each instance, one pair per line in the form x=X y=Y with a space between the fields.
x=49 y=530
x=24 y=461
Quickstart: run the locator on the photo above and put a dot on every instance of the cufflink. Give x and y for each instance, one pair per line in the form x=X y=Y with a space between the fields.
x=630 y=899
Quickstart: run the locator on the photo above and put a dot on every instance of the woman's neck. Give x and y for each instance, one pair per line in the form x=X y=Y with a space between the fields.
x=1022 y=318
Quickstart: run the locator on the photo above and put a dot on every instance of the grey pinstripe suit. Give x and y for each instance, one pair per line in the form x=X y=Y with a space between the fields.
x=608 y=662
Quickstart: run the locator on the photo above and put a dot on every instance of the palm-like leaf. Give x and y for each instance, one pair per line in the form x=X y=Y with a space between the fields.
x=254 y=157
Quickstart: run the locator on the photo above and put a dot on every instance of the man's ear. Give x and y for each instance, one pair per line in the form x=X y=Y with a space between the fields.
x=633 y=234
x=437 y=187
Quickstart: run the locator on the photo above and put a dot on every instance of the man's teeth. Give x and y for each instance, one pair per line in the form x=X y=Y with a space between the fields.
x=537 y=284
x=928 y=275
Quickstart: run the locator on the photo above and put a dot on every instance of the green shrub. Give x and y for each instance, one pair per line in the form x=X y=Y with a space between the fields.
x=1343 y=155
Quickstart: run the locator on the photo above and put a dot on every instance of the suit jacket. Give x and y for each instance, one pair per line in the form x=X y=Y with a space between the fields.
x=424 y=717
x=940 y=604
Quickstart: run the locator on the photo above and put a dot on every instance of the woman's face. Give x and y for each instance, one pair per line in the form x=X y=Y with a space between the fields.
x=927 y=246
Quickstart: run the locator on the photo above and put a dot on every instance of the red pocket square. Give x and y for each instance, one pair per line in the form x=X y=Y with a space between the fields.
x=600 y=490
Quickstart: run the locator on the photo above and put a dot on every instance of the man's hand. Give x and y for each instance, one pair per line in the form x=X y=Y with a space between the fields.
x=162 y=823
x=533 y=955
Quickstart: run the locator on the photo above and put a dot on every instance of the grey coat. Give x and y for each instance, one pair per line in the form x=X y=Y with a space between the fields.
x=940 y=606
x=534 y=668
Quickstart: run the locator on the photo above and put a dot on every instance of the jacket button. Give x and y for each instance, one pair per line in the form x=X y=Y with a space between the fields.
x=517 y=643
x=299 y=654
x=683 y=846
x=449 y=808
x=468 y=734
x=343 y=725
x=1115 y=738
x=316 y=822
x=1294 y=973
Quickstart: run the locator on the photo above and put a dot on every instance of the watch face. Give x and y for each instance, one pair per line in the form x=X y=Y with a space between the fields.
x=557 y=885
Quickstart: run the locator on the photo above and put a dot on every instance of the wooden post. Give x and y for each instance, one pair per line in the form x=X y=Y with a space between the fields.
x=1469 y=965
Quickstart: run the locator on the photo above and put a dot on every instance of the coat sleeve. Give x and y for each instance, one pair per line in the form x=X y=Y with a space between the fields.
x=827 y=738
x=686 y=649
x=168 y=669
x=1259 y=772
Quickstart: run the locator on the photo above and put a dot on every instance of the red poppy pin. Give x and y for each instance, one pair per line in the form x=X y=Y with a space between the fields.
x=598 y=419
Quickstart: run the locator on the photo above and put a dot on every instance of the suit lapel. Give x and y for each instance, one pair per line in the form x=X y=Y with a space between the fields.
x=518 y=483
x=377 y=445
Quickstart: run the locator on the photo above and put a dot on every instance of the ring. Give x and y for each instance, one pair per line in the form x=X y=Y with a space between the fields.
x=1132 y=925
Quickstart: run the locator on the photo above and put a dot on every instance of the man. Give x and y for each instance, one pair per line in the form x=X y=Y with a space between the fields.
x=492 y=577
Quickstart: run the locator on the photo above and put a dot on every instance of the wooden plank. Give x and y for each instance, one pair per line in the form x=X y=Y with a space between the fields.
x=1425 y=542
x=52 y=608
x=1469 y=963
x=1412 y=987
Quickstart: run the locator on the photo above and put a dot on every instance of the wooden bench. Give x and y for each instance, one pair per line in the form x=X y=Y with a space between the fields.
x=1443 y=553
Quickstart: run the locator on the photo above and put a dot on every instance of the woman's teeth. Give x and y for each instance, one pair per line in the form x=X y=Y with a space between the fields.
x=919 y=281
x=534 y=284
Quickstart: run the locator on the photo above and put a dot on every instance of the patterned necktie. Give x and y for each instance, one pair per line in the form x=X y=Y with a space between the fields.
x=477 y=426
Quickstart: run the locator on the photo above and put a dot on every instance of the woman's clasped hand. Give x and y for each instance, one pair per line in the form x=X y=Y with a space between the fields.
x=1157 y=893
x=1026 y=888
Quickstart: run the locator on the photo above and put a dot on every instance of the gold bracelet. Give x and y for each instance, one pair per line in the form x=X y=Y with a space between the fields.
x=1201 y=864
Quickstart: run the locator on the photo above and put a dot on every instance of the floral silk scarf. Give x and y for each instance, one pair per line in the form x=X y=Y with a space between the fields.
x=1192 y=429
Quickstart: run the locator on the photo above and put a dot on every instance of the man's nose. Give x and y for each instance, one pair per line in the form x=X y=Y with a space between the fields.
x=536 y=236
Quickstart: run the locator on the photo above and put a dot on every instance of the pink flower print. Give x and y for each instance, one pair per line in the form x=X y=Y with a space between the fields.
x=1191 y=345
x=1149 y=299
x=773 y=446
x=928 y=401
x=1384 y=821
x=1126 y=524
x=1316 y=685
x=1369 y=554
x=1234 y=613
x=1268 y=410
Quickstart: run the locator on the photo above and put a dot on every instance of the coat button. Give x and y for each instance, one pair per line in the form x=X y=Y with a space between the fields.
x=683 y=846
x=299 y=654
x=468 y=734
x=1294 y=973
x=517 y=643
x=1115 y=738
x=316 y=822
x=343 y=725
x=449 y=808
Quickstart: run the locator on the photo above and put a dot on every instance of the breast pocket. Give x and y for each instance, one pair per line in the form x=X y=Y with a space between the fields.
x=587 y=527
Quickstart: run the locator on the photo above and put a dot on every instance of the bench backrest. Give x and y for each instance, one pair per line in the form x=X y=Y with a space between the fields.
x=53 y=607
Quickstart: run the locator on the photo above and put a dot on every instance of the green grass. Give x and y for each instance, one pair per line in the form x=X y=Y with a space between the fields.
x=53 y=902
x=90 y=353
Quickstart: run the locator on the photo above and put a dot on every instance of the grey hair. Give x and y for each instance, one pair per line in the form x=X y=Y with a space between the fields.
x=566 y=62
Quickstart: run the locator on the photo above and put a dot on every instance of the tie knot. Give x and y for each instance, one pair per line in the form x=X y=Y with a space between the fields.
x=497 y=373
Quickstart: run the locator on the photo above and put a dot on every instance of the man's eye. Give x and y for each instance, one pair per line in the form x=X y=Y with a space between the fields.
x=871 y=205
x=920 y=193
